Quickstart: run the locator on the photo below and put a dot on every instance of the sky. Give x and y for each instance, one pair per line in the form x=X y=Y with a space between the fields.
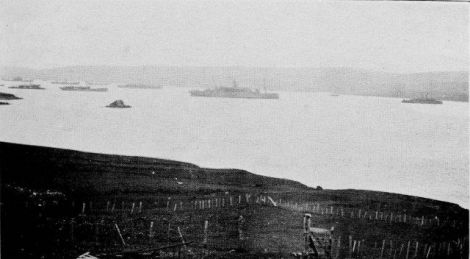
x=381 y=36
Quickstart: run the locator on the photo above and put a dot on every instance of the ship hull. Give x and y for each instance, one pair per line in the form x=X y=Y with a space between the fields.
x=28 y=87
x=239 y=95
x=423 y=101
x=85 y=90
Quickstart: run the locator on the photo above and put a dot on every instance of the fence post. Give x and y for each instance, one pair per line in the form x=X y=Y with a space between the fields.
x=182 y=239
x=408 y=249
x=72 y=235
x=168 y=233
x=206 y=226
x=83 y=208
x=97 y=232
x=151 y=234
x=382 y=250
x=350 y=246
x=120 y=236
x=241 y=220
x=338 y=249
x=429 y=251
x=133 y=206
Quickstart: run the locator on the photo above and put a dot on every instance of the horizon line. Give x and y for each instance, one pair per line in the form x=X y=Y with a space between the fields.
x=232 y=67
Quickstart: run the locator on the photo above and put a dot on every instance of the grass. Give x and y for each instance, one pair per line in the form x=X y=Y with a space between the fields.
x=37 y=223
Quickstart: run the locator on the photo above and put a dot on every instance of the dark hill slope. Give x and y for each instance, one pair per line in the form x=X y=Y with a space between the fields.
x=77 y=172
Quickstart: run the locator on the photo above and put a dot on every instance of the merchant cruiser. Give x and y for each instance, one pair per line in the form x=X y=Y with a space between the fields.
x=234 y=92
x=424 y=100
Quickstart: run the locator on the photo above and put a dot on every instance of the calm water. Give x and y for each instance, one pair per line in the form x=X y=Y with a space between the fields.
x=336 y=142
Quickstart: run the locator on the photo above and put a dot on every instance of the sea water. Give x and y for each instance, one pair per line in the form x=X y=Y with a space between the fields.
x=336 y=142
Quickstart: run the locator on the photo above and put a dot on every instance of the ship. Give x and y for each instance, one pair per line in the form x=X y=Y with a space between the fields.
x=425 y=100
x=234 y=92
x=30 y=86
x=139 y=86
x=83 y=88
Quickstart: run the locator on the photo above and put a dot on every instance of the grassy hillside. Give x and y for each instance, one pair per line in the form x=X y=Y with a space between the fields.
x=60 y=203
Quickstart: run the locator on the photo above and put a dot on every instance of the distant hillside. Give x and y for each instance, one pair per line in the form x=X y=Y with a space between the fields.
x=441 y=85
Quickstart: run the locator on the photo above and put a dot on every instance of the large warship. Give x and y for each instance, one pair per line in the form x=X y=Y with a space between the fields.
x=234 y=92
x=83 y=88
x=424 y=100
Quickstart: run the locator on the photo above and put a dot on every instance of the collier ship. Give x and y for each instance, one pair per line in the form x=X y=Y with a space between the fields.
x=83 y=88
x=30 y=86
x=234 y=92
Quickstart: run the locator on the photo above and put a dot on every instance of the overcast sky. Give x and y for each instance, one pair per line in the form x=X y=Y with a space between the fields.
x=388 y=36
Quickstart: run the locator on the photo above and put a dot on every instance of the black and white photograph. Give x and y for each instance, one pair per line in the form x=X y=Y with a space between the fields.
x=198 y=129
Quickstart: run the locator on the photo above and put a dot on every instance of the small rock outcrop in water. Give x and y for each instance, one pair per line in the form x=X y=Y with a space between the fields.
x=5 y=96
x=118 y=104
x=4 y=103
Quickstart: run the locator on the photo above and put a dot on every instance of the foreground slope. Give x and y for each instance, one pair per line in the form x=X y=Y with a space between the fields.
x=60 y=203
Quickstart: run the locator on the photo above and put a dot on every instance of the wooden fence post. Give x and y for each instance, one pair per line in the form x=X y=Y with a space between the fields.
x=206 y=226
x=151 y=234
x=133 y=206
x=72 y=234
x=140 y=207
x=382 y=250
x=182 y=239
x=241 y=221
x=350 y=246
x=120 y=236
x=168 y=233
x=97 y=232
x=429 y=251
x=408 y=249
